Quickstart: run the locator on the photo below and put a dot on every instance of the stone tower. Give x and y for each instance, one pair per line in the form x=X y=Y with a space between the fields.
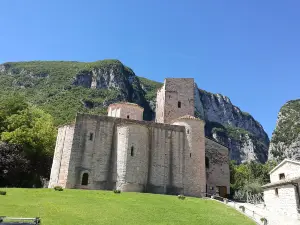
x=194 y=182
x=175 y=99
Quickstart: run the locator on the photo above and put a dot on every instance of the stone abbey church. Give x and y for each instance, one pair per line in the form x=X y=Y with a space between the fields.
x=121 y=151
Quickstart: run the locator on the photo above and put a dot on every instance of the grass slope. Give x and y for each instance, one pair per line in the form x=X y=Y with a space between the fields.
x=105 y=207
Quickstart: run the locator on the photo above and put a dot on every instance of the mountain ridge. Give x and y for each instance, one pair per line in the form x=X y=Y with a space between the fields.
x=63 y=88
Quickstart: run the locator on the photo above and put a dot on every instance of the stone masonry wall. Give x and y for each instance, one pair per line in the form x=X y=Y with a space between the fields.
x=194 y=157
x=286 y=201
x=166 y=159
x=217 y=173
x=289 y=169
x=179 y=91
x=175 y=99
x=98 y=157
x=126 y=111
x=59 y=170
x=160 y=105
x=132 y=157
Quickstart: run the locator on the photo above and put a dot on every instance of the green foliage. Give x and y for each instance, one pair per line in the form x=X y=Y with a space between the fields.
x=249 y=176
x=181 y=197
x=58 y=188
x=264 y=220
x=101 y=207
x=150 y=87
x=288 y=127
x=2 y=192
x=49 y=85
x=32 y=130
x=117 y=191
x=242 y=208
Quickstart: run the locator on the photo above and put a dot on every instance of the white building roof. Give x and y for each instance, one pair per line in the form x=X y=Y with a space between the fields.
x=282 y=182
x=284 y=162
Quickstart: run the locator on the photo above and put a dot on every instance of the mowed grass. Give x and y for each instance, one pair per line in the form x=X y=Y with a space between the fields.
x=82 y=207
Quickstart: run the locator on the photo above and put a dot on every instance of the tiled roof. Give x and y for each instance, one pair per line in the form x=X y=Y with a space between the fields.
x=125 y=103
x=188 y=117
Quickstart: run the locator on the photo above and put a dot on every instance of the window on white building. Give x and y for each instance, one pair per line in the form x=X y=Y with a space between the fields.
x=281 y=176
x=276 y=191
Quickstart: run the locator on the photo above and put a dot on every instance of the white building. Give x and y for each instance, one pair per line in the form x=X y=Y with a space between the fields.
x=282 y=195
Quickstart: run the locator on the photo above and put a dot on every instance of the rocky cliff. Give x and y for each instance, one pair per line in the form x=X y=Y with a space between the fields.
x=64 y=88
x=232 y=127
x=285 y=141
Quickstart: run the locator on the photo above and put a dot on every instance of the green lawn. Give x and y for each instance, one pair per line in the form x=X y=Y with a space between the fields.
x=81 y=207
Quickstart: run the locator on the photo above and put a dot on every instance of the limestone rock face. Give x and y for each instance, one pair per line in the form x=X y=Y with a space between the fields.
x=285 y=141
x=232 y=127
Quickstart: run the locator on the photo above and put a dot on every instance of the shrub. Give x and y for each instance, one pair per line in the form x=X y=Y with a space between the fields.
x=264 y=220
x=2 y=192
x=117 y=191
x=181 y=197
x=58 y=188
x=242 y=208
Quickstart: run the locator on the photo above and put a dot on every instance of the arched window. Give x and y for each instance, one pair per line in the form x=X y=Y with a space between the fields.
x=206 y=162
x=85 y=179
x=132 y=151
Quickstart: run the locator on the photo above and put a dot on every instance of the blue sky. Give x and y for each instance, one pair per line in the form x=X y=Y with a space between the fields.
x=246 y=50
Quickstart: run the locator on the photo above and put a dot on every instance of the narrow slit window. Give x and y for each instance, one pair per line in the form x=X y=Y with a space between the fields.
x=190 y=155
x=132 y=151
x=91 y=136
x=179 y=104
x=276 y=191
x=127 y=116
x=85 y=179
x=188 y=131
x=206 y=162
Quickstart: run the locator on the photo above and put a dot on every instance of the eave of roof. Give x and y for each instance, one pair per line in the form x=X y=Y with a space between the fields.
x=282 y=182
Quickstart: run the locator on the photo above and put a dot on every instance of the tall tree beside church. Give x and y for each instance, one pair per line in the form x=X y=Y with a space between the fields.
x=32 y=129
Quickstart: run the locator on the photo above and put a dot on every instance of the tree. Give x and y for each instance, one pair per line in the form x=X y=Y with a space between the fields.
x=14 y=166
x=32 y=129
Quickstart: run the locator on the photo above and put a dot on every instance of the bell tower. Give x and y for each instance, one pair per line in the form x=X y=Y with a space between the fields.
x=175 y=99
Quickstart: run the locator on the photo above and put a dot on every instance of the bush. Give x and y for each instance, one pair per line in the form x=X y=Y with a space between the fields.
x=58 y=188
x=242 y=208
x=181 y=197
x=2 y=192
x=264 y=220
x=117 y=191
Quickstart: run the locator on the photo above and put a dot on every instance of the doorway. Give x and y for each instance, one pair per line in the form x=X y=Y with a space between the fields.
x=222 y=191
